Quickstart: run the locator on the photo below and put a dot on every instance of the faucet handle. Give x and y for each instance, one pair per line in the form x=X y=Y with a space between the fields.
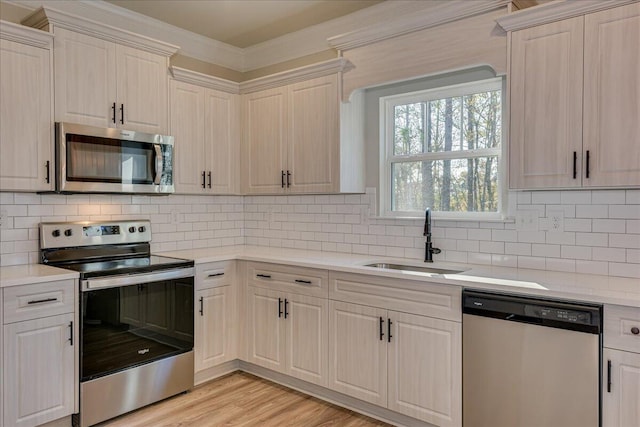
x=435 y=250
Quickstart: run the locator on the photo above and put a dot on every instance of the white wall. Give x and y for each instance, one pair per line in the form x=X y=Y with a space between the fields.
x=601 y=228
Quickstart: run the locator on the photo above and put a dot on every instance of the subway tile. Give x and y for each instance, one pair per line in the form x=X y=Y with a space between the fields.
x=27 y=199
x=492 y=247
x=504 y=260
x=608 y=197
x=546 y=197
x=558 y=264
x=633 y=256
x=608 y=254
x=575 y=197
x=592 y=267
x=517 y=248
x=592 y=211
x=478 y=258
x=468 y=245
x=582 y=224
x=624 y=211
x=456 y=233
x=536 y=263
x=632 y=197
x=624 y=270
x=631 y=241
x=479 y=234
x=575 y=252
x=559 y=238
x=608 y=226
x=592 y=239
x=546 y=251
x=504 y=235
x=531 y=236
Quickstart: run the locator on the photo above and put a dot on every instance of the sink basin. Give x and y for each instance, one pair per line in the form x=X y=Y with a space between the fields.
x=419 y=269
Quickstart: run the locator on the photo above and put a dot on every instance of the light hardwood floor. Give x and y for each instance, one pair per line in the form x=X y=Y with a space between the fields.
x=241 y=399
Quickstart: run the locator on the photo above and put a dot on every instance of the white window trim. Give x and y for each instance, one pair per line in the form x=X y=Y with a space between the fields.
x=387 y=105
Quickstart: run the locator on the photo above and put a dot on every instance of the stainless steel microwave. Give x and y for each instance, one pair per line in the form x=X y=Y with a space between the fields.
x=97 y=160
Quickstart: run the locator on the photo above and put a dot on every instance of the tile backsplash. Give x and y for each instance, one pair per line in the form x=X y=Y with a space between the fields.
x=595 y=232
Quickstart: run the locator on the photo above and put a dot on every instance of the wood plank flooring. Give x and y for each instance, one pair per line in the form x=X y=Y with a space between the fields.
x=241 y=399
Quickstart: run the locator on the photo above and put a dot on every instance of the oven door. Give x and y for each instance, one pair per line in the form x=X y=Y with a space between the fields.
x=100 y=160
x=132 y=324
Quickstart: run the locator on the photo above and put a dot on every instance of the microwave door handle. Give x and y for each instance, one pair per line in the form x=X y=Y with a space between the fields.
x=159 y=170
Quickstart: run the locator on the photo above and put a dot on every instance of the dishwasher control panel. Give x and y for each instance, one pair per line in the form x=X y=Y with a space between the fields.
x=558 y=314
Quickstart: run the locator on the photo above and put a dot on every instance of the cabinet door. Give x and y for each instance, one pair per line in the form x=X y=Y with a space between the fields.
x=621 y=405
x=425 y=369
x=214 y=335
x=358 y=352
x=266 y=329
x=307 y=338
x=38 y=371
x=142 y=90
x=186 y=126
x=26 y=132
x=222 y=141
x=612 y=96
x=314 y=135
x=546 y=105
x=264 y=147
x=85 y=79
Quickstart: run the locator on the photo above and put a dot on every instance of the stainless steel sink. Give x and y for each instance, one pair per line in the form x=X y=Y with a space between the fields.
x=419 y=269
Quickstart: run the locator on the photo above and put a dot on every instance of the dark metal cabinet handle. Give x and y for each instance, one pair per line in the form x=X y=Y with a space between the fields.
x=215 y=274
x=122 y=113
x=608 y=376
x=264 y=276
x=288 y=179
x=286 y=306
x=71 y=333
x=389 y=336
x=209 y=179
x=113 y=108
x=282 y=179
x=40 y=301
x=306 y=282
x=381 y=329
x=575 y=164
x=279 y=307
x=204 y=179
x=201 y=306
x=635 y=330
x=48 y=167
x=588 y=158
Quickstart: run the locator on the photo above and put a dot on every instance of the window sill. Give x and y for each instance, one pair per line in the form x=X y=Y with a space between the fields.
x=435 y=217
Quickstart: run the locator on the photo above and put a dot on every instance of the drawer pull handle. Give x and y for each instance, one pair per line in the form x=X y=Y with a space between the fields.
x=264 y=276
x=279 y=307
x=201 y=306
x=381 y=329
x=608 y=376
x=286 y=308
x=70 y=333
x=40 y=301
x=635 y=330
x=215 y=275
x=306 y=282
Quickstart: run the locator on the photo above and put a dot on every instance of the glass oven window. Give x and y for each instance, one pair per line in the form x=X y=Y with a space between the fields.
x=96 y=159
x=132 y=325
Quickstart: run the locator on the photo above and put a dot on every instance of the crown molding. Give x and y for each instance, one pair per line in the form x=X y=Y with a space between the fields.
x=449 y=11
x=25 y=35
x=45 y=16
x=205 y=80
x=555 y=11
x=296 y=75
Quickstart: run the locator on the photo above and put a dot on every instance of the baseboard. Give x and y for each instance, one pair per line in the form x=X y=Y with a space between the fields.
x=331 y=396
x=215 y=372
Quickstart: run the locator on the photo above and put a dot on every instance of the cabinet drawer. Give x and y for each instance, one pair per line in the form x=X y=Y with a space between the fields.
x=622 y=328
x=38 y=300
x=300 y=280
x=409 y=296
x=213 y=274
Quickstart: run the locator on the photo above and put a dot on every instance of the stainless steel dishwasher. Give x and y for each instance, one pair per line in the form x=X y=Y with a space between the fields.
x=529 y=362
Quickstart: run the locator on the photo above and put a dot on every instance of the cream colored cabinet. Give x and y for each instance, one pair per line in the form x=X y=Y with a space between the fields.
x=40 y=353
x=397 y=345
x=265 y=332
x=105 y=84
x=621 y=360
x=215 y=315
x=574 y=103
x=26 y=133
x=205 y=124
x=292 y=138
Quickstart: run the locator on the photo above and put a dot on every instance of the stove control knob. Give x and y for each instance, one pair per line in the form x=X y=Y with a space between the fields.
x=68 y=232
x=142 y=229
x=132 y=229
x=55 y=233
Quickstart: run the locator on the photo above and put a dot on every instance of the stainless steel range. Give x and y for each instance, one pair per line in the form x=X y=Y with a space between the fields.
x=136 y=312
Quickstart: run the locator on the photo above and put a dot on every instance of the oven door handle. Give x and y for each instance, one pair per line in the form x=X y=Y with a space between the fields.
x=135 y=279
x=159 y=164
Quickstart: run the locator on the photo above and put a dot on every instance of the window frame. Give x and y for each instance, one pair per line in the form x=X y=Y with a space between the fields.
x=387 y=105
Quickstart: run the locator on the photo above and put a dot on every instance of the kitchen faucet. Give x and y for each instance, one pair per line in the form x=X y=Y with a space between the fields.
x=429 y=250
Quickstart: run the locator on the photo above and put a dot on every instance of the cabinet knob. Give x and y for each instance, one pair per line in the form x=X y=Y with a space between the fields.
x=635 y=330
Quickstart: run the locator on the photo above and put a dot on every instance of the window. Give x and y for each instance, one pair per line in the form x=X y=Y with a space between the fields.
x=441 y=148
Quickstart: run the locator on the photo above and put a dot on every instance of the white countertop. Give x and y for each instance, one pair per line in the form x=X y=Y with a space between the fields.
x=33 y=273
x=576 y=286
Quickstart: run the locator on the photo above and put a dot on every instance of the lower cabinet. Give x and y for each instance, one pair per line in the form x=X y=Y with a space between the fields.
x=39 y=366
x=287 y=333
x=621 y=394
x=407 y=363
x=214 y=332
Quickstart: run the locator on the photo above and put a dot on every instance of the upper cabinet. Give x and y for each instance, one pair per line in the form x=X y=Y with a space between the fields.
x=107 y=77
x=26 y=132
x=575 y=100
x=205 y=121
x=298 y=137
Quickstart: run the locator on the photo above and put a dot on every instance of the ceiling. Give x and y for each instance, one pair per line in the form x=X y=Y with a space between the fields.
x=244 y=23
